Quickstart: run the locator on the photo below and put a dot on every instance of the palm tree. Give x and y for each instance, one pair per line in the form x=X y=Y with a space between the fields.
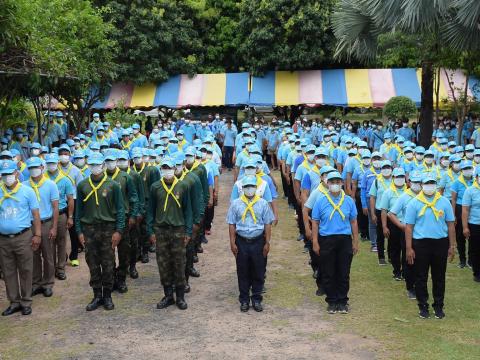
x=357 y=25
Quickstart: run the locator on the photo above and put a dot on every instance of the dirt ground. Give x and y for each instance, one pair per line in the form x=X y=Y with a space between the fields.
x=294 y=324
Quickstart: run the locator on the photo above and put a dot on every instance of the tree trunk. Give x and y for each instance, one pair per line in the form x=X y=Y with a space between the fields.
x=426 y=107
x=437 y=97
x=295 y=112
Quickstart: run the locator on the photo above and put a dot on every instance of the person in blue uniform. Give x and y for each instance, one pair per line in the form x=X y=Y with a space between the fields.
x=335 y=241
x=18 y=238
x=430 y=241
x=249 y=218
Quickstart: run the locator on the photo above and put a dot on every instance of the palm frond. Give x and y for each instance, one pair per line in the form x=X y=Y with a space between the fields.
x=460 y=37
x=468 y=13
x=423 y=15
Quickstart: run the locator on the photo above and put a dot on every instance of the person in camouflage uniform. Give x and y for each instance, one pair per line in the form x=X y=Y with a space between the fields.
x=99 y=222
x=169 y=225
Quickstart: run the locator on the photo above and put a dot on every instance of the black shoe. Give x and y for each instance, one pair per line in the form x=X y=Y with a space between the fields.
x=26 y=310
x=168 y=299
x=61 y=276
x=193 y=272
x=107 y=300
x=476 y=279
x=145 y=258
x=424 y=313
x=152 y=249
x=122 y=287
x=264 y=289
x=461 y=265
x=315 y=274
x=37 y=291
x=382 y=262
x=257 y=306
x=244 y=307
x=133 y=272
x=187 y=289
x=320 y=291
x=199 y=249
x=47 y=292
x=195 y=259
x=96 y=301
x=439 y=314
x=332 y=308
x=180 y=298
x=203 y=239
x=411 y=295
x=11 y=310
x=342 y=309
x=397 y=277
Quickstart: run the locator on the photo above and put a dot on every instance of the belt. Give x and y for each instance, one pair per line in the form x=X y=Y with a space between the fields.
x=251 y=240
x=45 y=220
x=14 y=235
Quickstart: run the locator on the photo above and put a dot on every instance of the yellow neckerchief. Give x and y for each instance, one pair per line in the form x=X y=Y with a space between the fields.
x=59 y=177
x=363 y=169
x=137 y=135
x=388 y=147
x=406 y=161
x=381 y=179
x=128 y=170
x=106 y=135
x=475 y=184
x=115 y=174
x=135 y=168
x=127 y=145
x=95 y=188
x=245 y=152
x=437 y=147
x=336 y=207
x=196 y=164
x=35 y=186
x=67 y=174
x=462 y=180
x=399 y=149
x=410 y=193
x=9 y=194
x=421 y=197
x=315 y=169
x=415 y=161
x=306 y=164
x=22 y=166
x=259 y=178
x=322 y=188
x=169 y=193
x=395 y=189
x=358 y=158
x=249 y=207
x=450 y=174
x=82 y=170
x=100 y=138
x=182 y=176
x=182 y=143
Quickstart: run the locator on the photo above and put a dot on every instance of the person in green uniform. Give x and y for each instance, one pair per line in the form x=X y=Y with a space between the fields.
x=169 y=225
x=99 y=223
x=130 y=203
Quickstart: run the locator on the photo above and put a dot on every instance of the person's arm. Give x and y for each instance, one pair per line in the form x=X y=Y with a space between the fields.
x=275 y=212
x=315 y=244
x=37 y=229
x=53 y=230
x=355 y=243
x=70 y=209
x=394 y=219
x=386 y=231
x=268 y=232
x=453 y=200
x=452 y=240
x=372 y=209
x=408 y=244
x=296 y=190
x=120 y=215
x=307 y=222
x=465 y=215
x=348 y=186
x=232 y=229
x=354 y=188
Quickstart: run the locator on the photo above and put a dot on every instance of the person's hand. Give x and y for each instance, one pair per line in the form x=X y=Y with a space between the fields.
x=374 y=219
x=316 y=248
x=365 y=211
x=266 y=249
x=386 y=232
x=131 y=222
x=275 y=222
x=403 y=227
x=355 y=248
x=152 y=239
x=186 y=240
x=210 y=202
x=234 y=249
x=69 y=223
x=52 y=235
x=466 y=232
x=308 y=233
x=451 y=253
x=116 y=237
x=81 y=239
x=410 y=256
x=36 y=240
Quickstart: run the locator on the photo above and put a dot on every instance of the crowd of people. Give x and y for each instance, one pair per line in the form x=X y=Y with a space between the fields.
x=119 y=193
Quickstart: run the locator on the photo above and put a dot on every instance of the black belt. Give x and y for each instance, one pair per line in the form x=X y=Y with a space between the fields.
x=46 y=220
x=14 y=235
x=252 y=240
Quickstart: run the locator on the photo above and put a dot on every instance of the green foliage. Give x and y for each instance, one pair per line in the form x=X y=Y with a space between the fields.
x=17 y=113
x=122 y=114
x=399 y=107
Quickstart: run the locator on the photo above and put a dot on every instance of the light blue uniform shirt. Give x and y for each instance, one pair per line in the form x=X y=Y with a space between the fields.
x=446 y=183
x=65 y=187
x=389 y=198
x=459 y=188
x=336 y=225
x=378 y=190
x=189 y=132
x=250 y=229
x=400 y=206
x=471 y=198
x=313 y=198
x=302 y=171
x=427 y=226
x=229 y=136
x=48 y=193
x=267 y=195
x=310 y=181
x=16 y=215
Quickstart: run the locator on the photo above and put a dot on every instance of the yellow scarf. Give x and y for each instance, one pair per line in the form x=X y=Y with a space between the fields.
x=170 y=193
x=115 y=174
x=322 y=188
x=395 y=190
x=196 y=164
x=410 y=193
x=36 y=186
x=67 y=174
x=59 y=177
x=475 y=184
x=462 y=180
x=22 y=166
x=315 y=169
x=306 y=164
x=336 y=207
x=249 y=207
x=381 y=179
x=82 y=170
x=127 y=145
x=139 y=172
x=182 y=143
x=450 y=174
x=421 y=197
x=95 y=188
x=9 y=194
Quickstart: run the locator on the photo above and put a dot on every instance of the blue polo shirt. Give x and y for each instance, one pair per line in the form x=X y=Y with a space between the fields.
x=401 y=205
x=389 y=198
x=446 y=182
x=336 y=225
x=460 y=188
x=378 y=189
x=16 y=214
x=229 y=136
x=249 y=228
x=48 y=193
x=471 y=198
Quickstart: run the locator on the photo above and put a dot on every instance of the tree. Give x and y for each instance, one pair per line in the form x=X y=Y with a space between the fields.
x=399 y=107
x=358 y=24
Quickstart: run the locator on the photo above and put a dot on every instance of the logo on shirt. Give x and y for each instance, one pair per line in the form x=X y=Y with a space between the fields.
x=104 y=193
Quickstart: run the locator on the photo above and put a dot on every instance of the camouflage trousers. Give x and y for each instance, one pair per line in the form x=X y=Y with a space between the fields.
x=99 y=255
x=171 y=254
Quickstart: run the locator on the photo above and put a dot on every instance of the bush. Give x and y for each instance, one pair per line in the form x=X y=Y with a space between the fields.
x=399 y=107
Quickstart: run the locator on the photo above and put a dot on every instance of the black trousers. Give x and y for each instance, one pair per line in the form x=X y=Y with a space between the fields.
x=430 y=255
x=291 y=194
x=228 y=156
x=461 y=241
x=408 y=271
x=209 y=214
x=474 y=243
x=284 y=184
x=362 y=219
x=395 y=246
x=380 y=237
x=251 y=265
x=335 y=260
x=74 y=243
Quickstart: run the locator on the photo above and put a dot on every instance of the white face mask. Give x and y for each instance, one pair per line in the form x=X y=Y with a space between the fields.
x=96 y=169
x=249 y=191
x=64 y=159
x=180 y=137
x=419 y=157
x=146 y=158
x=35 y=172
x=416 y=187
x=456 y=166
x=250 y=172
x=209 y=156
x=399 y=181
x=80 y=163
x=135 y=131
x=334 y=188
x=320 y=162
x=428 y=160
x=190 y=159
x=366 y=162
x=310 y=157
x=137 y=161
x=35 y=152
x=9 y=180
x=477 y=159
x=82 y=142
x=445 y=163
x=443 y=147
x=469 y=154
x=429 y=189
x=52 y=167
x=386 y=172
x=409 y=156
x=179 y=168
x=467 y=173
x=377 y=163
x=167 y=173
x=478 y=180
x=122 y=164
x=111 y=165
x=388 y=141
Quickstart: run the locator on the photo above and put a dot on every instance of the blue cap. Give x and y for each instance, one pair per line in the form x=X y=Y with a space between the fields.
x=79 y=154
x=253 y=149
x=310 y=148
x=477 y=171
x=94 y=146
x=446 y=154
x=96 y=115
x=44 y=149
x=35 y=145
x=88 y=132
x=407 y=149
x=376 y=154
x=59 y=114
x=459 y=149
x=34 y=162
x=400 y=139
x=334 y=175
x=321 y=152
x=326 y=169
x=429 y=178
x=386 y=163
x=455 y=158
x=125 y=133
x=245 y=125
x=250 y=163
x=452 y=144
x=64 y=147
x=110 y=155
x=429 y=153
x=95 y=159
x=443 y=141
x=352 y=151
x=190 y=151
x=398 y=172
x=15 y=152
x=362 y=144
x=100 y=128
x=51 y=158
x=8 y=167
x=420 y=150
x=6 y=153
x=366 y=154
x=469 y=147
x=106 y=123
x=123 y=154
x=476 y=152
x=249 y=181
x=415 y=176
x=136 y=126
x=167 y=162
x=466 y=164
x=387 y=136
x=70 y=142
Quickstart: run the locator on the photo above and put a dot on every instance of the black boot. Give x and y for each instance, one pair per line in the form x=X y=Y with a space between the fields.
x=122 y=286
x=133 y=272
x=96 y=301
x=180 y=292
x=187 y=288
x=107 y=300
x=145 y=258
x=167 y=299
x=193 y=272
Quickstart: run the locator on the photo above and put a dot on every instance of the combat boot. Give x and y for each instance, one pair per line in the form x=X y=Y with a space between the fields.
x=96 y=301
x=180 y=292
x=167 y=299
x=107 y=300
x=122 y=286
x=133 y=272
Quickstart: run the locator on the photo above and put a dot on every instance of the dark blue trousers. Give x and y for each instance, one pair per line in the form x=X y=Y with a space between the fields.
x=251 y=266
